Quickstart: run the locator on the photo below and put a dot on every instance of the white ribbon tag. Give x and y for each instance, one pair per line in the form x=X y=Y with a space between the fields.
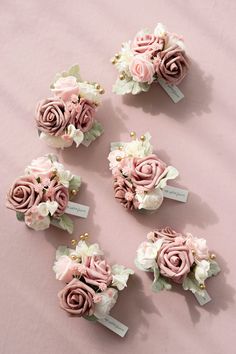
x=181 y=195
x=173 y=91
x=114 y=325
x=203 y=300
x=77 y=209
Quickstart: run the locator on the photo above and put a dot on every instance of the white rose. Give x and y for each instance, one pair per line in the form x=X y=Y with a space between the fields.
x=37 y=222
x=120 y=276
x=108 y=299
x=89 y=92
x=150 y=200
x=138 y=148
x=147 y=253
x=201 y=271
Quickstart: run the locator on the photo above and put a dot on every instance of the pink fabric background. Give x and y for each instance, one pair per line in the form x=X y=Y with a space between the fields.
x=39 y=38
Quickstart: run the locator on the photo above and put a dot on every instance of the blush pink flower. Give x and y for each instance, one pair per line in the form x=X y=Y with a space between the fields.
x=142 y=69
x=41 y=167
x=66 y=269
x=148 y=43
x=146 y=172
x=66 y=87
x=97 y=272
x=77 y=298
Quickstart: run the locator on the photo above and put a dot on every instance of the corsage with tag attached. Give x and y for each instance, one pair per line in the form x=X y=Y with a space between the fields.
x=42 y=196
x=69 y=114
x=153 y=56
x=181 y=258
x=92 y=284
x=140 y=177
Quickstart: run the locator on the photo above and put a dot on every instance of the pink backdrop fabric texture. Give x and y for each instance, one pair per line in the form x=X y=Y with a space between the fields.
x=197 y=135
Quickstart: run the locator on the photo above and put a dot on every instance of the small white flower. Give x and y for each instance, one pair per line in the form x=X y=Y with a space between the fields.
x=112 y=158
x=126 y=56
x=138 y=148
x=76 y=134
x=120 y=276
x=47 y=207
x=150 y=200
x=83 y=250
x=107 y=299
x=147 y=253
x=201 y=271
x=89 y=92
x=160 y=30
x=56 y=141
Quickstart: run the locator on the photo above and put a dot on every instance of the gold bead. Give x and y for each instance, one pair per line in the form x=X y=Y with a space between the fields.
x=118 y=158
x=101 y=91
x=133 y=134
x=120 y=147
x=202 y=286
x=74 y=242
x=212 y=256
x=193 y=252
x=84 y=236
x=117 y=56
x=73 y=257
x=97 y=86
x=113 y=60
x=142 y=138
x=122 y=76
x=74 y=192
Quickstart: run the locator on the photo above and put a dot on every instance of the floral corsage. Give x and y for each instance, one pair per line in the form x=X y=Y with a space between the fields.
x=41 y=196
x=150 y=57
x=69 y=114
x=92 y=284
x=181 y=258
x=139 y=175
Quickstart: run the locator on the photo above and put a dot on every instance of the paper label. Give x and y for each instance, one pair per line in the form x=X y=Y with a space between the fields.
x=77 y=209
x=115 y=145
x=114 y=325
x=181 y=195
x=173 y=91
x=202 y=300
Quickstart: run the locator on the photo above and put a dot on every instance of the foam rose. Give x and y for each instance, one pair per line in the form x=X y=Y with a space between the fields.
x=147 y=43
x=97 y=272
x=142 y=69
x=82 y=115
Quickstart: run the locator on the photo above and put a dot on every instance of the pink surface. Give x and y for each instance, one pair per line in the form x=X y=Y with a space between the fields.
x=39 y=38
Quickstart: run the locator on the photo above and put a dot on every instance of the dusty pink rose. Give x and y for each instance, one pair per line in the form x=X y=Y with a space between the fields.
x=172 y=65
x=77 y=298
x=146 y=172
x=166 y=233
x=52 y=117
x=82 y=116
x=142 y=69
x=148 y=43
x=98 y=272
x=58 y=193
x=125 y=193
x=24 y=194
x=175 y=260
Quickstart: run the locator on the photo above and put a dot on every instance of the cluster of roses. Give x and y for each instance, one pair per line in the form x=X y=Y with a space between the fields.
x=139 y=175
x=68 y=116
x=41 y=195
x=184 y=259
x=151 y=56
x=92 y=284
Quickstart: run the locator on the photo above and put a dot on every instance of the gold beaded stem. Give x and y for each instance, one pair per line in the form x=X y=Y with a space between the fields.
x=133 y=135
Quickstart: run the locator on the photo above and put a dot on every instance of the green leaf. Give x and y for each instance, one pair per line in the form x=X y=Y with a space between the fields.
x=214 y=268
x=20 y=216
x=91 y=318
x=93 y=133
x=62 y=251
x=64 y=222
x=139 y=266
x=75 y=183
x=190 y=283
x=122 y=87
x=159 y=282
x=170 y=173
x=73 y=71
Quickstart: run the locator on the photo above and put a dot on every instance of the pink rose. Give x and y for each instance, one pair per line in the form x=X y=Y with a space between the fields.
x=125 y=193
x=82 y=116
x=24 y=194
x=172 y=65
x=199 y=246
x=52 y=117
x=142 y=69
x=98 y=272
x=166 y=233
x=146 y=172
x=65 y=87
x=41 y=167
x=77 y=298
x=175 y=260
x=58 y=193
x=65 y=269
x=148 y=43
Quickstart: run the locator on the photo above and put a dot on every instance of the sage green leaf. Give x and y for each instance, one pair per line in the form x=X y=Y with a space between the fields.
x=190 y=283
x=170 y=173
x=64 y=222
x=214 y=268
x=91 y=318
x=75 y=183
x=93 y=133
x=128 y=85
x=159 y=282
x=20 y=216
